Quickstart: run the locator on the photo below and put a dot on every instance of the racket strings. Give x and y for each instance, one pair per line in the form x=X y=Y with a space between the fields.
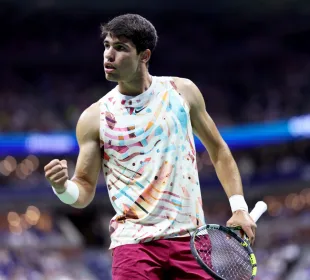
x=225 y=256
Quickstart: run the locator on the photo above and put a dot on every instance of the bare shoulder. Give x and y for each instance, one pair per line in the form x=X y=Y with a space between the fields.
x=89 y=123
x=90 y=113
x=182 y=83
x=188 y=90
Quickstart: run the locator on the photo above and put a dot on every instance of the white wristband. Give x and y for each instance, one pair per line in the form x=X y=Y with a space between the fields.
x=71 y=193
x=237 y=202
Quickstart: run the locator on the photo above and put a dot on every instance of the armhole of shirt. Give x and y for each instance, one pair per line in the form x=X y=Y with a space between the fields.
x=186 y=104
x=101 y=121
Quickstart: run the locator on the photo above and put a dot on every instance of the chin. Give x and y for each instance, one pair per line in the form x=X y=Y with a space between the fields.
x=111 y=78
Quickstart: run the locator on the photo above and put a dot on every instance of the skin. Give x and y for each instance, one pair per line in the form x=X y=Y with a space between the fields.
x=131 y=74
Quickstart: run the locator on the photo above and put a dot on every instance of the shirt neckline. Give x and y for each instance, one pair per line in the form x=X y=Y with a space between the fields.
x=138 y=100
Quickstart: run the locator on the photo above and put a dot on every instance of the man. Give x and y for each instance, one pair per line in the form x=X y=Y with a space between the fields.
x=141 y=134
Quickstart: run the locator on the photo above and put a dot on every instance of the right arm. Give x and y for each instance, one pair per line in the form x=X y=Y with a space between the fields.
x=88 y=163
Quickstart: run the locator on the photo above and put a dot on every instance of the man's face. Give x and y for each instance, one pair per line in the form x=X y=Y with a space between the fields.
x=121 y=60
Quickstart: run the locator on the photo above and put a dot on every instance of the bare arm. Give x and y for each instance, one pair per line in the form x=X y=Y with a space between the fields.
x=89 y=159
x=221 y=157
x=88 y=162
x=204 y=127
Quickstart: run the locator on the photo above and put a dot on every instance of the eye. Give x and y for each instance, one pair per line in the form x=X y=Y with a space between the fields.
x=106 y=46
x=120 y=48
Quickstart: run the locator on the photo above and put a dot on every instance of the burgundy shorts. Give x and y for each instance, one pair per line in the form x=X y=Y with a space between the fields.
x=157 y=260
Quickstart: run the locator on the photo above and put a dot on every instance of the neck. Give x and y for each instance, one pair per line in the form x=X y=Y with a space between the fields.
x=135 y=86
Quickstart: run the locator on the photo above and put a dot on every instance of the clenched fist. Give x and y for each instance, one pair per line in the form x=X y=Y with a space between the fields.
x=56 y=172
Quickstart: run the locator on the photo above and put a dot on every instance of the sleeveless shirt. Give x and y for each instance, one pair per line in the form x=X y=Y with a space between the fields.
x=149 y=164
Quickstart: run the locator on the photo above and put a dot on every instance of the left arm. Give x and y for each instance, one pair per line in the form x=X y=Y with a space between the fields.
x=219 y=152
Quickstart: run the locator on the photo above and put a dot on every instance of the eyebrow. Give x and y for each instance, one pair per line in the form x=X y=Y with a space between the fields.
x=115 y=43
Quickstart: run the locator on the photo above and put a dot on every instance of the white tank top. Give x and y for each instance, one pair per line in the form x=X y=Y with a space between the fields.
x=149 y=164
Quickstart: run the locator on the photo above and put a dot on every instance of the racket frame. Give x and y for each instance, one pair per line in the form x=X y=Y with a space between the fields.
x=229 y=231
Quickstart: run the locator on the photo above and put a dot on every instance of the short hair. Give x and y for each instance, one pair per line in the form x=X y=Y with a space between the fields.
x=134 y=27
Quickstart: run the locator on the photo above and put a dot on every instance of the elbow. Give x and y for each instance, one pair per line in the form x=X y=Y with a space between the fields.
x=84 y=200
x=79 y=205
x=86 y=194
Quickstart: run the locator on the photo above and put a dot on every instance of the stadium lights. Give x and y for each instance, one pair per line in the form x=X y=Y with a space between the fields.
x=293 y=201
x=13 y=219
x=3 y=170
x=10 y=163
x=34 y=160
x=240 y=136
x=22 y=170
x=32 y=215
x=14 y=223
x=16 y=230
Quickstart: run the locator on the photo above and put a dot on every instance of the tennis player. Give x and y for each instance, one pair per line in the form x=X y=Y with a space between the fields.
x=141 y=134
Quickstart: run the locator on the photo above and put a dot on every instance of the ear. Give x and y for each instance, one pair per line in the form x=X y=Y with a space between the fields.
x=145 y=56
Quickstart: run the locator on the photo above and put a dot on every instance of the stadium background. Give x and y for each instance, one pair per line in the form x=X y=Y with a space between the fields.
x=250 y=60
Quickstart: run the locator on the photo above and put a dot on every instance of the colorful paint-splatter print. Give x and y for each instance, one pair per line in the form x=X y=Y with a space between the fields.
x=149 y=163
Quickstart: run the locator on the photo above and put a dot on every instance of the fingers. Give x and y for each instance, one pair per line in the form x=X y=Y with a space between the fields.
x=242 y=233
x=248 y=226
x=63 y=163
x=249 y=230
x=56 y=172
x=50 y=165
x=55 y=162
x=230 y=223
x=254 y=233
x=60 y=183
x=55 y=166
x=57 y=176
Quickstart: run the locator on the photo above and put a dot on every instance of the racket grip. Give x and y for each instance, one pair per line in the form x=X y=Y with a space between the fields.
x=259 y=209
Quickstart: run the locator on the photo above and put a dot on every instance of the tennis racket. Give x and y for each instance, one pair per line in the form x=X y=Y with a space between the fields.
x=222 y=253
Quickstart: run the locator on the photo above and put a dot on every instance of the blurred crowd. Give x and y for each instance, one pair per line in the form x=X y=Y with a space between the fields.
x=51 y=71
x=53 y=101
x=280 y=164
x=247 y=73
x=35 y=264
x=282 y=252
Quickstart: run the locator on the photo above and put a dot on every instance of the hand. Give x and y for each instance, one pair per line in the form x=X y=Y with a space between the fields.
x=243 y=219
x=56 y=173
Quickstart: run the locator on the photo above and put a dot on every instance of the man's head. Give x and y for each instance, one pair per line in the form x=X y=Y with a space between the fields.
x=129 y=41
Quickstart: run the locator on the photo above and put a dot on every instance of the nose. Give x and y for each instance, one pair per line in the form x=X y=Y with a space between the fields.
x=108 y=55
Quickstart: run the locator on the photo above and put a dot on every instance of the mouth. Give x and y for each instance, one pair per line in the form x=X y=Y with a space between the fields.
x=108 y=68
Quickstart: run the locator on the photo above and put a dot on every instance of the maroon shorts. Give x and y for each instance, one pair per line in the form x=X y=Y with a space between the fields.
x=156 y=260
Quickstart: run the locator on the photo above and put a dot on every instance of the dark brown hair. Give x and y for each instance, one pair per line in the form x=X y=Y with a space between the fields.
x=134 y=27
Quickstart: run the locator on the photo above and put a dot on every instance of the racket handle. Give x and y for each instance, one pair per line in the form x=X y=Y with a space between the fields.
x=259 y=209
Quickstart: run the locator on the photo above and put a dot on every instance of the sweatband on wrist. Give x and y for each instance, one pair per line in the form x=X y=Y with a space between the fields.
x=71 y=193
x=237 y=202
